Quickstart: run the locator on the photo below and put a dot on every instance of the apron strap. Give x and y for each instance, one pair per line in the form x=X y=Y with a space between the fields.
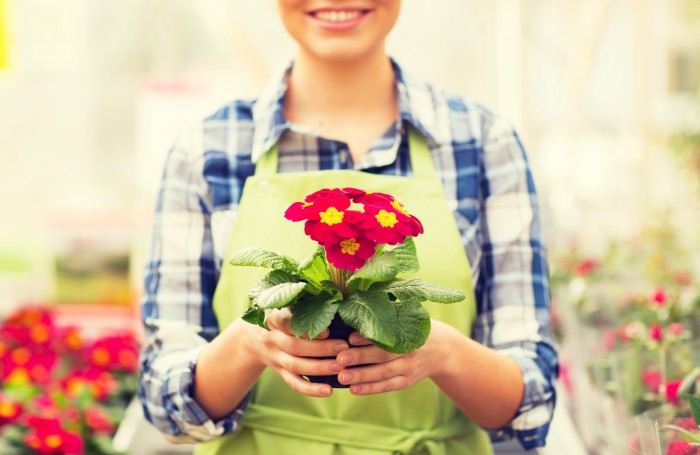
x=374 y=437
x=421 y=160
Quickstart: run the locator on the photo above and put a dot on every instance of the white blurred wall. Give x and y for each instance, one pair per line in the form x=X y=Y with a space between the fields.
x=98 y=89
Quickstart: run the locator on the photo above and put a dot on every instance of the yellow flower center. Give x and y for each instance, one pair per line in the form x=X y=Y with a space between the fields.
x=19 y=376
x=75 y=386
x=399 y=207
x=100 y=356
x=21 y=356
x=331 y=216
x=31 y=317
x=349 y=246
x=386 y=219
x=74 y=341
x=7 y=409
x=40 y=333
x=53 y=441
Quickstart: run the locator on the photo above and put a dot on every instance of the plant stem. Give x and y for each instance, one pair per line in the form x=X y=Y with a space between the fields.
x=340 y=278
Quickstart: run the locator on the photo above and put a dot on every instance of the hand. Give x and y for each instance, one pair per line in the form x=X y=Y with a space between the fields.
x=389 y=372
x=292 y=357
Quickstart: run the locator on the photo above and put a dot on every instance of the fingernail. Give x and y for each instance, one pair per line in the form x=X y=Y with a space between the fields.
x=335 y=368
x=356 y=388
x=344 y=359
x=346 y=377
x=340 y=347
x=325 y=391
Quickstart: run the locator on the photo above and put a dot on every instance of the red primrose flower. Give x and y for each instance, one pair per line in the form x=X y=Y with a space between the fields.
x=350 y=237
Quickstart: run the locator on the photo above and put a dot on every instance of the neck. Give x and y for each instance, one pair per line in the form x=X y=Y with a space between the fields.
x=330 y=89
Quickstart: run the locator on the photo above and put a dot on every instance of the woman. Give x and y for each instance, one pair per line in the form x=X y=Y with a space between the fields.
x=344 y=104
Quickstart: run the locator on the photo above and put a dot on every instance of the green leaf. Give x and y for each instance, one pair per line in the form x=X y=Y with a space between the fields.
x=407 y=256
x=423 y=290
x=273 y=278
x=279 y=296
x=19 y=391
x=372 y=314
x=380 y=268
x=13 y=433
x=314 y=269
x=412 y=327
x=687 y=385
x=695 y=408
x=255 y=316
x=332 y=288
x=256 y=257
x=313 y=315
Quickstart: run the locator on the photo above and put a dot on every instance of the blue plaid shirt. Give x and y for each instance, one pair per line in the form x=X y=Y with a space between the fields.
x=487 y=184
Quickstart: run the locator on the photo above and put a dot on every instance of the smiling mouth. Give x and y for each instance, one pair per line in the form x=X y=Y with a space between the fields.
x=338 y=16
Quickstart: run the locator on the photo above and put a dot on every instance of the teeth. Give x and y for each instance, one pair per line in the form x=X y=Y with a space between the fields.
x=337 y=16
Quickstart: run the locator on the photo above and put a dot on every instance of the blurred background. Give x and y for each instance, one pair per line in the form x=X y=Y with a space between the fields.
x=93 y=92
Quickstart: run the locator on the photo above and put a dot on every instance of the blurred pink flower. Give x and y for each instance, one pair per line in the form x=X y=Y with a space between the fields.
x=680 y=448
x=656 y=332
x=610 y=339
x=659 y=297
x=586 y=267
x=652 y=379
x=672 y=391
x=676 y=328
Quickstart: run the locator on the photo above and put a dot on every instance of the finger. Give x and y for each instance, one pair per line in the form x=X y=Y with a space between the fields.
x=307 y=366
x=363 y=355
x=374 y=373
x=305 y=387
x=358 y=340
x=307 y=348
x=321 y=336
x=373 y=388
x=280 y=319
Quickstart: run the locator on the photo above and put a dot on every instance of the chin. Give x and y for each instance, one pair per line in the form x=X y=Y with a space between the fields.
x=341 y=55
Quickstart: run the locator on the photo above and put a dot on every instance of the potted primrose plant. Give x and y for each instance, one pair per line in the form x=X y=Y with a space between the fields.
x=352 y=280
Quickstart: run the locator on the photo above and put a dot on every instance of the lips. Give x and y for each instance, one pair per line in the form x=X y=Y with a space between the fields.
x=338 y=18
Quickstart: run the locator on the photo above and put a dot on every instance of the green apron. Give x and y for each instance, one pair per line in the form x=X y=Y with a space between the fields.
x=418 y=420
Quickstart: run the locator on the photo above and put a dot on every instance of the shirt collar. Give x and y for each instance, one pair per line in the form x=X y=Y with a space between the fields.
x=415 y=100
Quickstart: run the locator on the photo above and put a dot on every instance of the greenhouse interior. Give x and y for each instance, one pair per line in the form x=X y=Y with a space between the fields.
x=604 y=95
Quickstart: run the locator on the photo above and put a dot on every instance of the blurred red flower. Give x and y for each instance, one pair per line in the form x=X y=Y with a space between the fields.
x=58 y=385
x=98 y=420
x=671 y=392
x=652 y=379
x=10 y=411
x=114 y=353
x=659 y=298
x=656 y=332
x=48 y=437
x=586 y=267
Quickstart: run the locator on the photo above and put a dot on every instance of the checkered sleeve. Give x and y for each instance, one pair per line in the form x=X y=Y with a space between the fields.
x=180 y=277
x=512 y=290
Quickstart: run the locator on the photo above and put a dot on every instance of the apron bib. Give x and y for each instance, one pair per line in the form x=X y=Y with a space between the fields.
x=420 y=420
